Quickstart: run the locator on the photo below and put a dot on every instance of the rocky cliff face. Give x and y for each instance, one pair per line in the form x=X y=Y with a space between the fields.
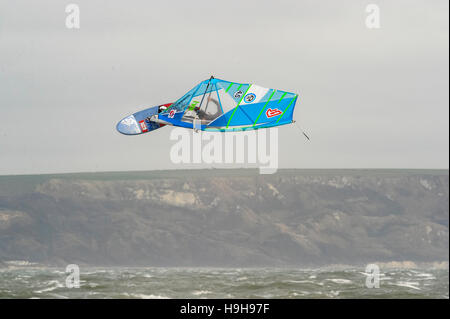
x=226 y=218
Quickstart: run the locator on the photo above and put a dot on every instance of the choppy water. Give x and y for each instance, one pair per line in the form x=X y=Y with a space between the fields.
x=222 y=283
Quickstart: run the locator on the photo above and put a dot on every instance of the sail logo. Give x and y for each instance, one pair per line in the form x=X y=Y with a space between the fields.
x=143 y=126
x=172 y=113
x=249 y=97
x=273 y=112
x=238 y=94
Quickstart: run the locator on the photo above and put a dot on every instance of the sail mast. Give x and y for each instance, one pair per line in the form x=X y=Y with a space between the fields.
x=206 y=90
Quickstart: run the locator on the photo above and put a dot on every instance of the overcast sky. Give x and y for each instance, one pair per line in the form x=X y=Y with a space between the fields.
x=369 y=98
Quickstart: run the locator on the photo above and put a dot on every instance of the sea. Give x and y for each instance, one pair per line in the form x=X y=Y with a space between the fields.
x=192 y=283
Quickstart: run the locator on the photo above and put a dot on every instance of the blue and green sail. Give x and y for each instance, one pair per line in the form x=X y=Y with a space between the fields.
x=219 y=105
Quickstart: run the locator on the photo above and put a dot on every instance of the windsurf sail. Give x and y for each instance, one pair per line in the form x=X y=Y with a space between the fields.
x=219 y=105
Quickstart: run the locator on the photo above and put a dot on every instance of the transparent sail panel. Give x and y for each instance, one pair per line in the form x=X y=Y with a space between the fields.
x=182 y=102
x=204 y=105
x=210 y=109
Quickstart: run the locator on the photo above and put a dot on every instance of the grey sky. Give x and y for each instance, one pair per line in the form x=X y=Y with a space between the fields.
x=368 y=98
